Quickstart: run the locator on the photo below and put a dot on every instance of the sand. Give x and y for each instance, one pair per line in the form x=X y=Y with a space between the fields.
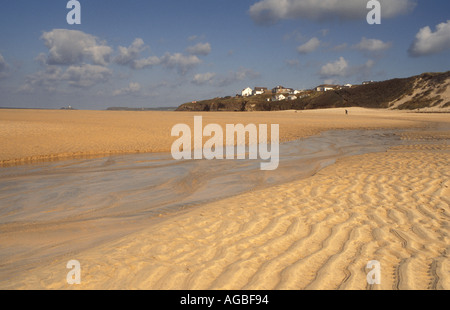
x=40 y=135
x=315 y=233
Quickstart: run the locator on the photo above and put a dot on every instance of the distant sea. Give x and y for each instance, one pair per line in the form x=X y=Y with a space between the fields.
x=108 y=109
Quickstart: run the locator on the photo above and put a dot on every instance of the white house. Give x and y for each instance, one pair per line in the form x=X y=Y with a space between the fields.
x=259 y=90
x=278 y=97
x=247 y=92
x=280 y=90
x=292 y=97
x=326 y=87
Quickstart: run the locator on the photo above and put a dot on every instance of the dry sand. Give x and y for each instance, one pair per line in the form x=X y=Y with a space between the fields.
x=315 y=233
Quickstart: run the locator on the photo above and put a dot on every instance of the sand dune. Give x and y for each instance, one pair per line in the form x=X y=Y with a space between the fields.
x=316 y=233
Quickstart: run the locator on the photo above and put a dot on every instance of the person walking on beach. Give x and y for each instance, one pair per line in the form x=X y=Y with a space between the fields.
x=346 y=112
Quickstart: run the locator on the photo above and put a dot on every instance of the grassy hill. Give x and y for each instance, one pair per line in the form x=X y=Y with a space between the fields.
x=428 y=90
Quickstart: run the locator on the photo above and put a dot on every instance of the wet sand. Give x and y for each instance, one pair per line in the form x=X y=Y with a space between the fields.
x=315 y=231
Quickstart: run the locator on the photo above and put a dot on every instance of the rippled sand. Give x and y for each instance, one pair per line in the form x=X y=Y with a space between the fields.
x=315 y=233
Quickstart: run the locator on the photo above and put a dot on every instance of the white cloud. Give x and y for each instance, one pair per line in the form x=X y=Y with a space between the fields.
x=180 y=62
x=52 y=76
x=271 y=11
x=70 y=47
x=372 y=45
x=132 y=88
x=146 y=62
x=74 y=58
x=363 y=71
x=41 y=59
x=195 y=37
x=128 y=55
x=242 y=74
x=131 y=57
x=86 y=75
x=200 y=49
x=309 y=46
x=428 y=42
x=203 y=78
x=341 y=68
x=46 y=79
x=337 y=68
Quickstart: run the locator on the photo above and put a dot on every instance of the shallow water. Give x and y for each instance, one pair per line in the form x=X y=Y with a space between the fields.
x=59 y=208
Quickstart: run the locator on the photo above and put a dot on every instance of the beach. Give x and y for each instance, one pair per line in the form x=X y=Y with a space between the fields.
x=317 y=231
x=42 y=135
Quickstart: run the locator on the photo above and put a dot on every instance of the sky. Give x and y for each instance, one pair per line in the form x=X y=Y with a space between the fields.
x=145 y=53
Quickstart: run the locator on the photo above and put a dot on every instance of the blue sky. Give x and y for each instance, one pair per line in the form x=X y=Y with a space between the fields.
x=164 y=53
